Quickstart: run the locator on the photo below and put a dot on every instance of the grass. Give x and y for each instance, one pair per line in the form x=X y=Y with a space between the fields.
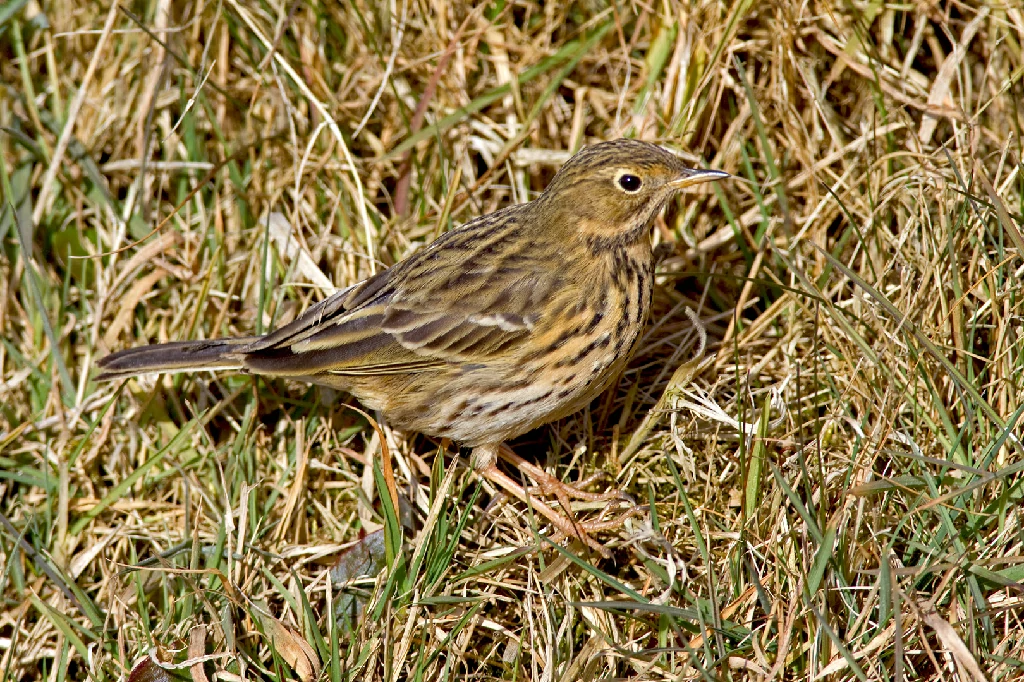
x=829 y=465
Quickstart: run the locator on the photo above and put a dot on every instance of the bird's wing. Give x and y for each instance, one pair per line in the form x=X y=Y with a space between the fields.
x=465 y=298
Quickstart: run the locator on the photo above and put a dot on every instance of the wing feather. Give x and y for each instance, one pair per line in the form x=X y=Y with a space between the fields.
x=469 y=295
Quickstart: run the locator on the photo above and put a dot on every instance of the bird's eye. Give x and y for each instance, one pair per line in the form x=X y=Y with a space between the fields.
x=630 y=183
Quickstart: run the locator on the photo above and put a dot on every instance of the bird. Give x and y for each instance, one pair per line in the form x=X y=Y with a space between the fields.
x=512 y=320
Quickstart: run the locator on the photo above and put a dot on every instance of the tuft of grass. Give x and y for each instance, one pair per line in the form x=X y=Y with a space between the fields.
x=822 y=423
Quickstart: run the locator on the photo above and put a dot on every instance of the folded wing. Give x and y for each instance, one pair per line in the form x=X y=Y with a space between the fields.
x=455 y=302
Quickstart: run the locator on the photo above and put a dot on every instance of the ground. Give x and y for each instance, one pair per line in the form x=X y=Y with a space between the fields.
x=820 y=429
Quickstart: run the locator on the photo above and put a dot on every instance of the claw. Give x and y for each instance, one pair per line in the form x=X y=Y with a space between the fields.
x=485 y=463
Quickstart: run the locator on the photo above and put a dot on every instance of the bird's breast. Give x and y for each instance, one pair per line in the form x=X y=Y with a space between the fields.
x=590 y=342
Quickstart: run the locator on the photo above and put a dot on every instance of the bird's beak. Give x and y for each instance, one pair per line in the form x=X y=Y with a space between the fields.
x=697 y=176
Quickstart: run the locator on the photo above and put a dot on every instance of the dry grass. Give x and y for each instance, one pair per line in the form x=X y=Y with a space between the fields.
x=835 y=485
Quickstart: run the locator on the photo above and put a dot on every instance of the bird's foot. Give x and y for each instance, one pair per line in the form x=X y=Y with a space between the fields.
x=565 y=523
x=549 y=485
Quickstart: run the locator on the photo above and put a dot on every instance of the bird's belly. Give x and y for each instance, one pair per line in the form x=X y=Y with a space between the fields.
x=492 y=403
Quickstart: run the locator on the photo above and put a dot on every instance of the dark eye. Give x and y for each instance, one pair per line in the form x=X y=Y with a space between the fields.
x=630 y=183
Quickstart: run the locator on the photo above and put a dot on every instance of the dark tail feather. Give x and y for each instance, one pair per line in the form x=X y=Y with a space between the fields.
x=179 y=356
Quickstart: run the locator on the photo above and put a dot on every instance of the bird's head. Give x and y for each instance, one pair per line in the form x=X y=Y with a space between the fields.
x=611 y=191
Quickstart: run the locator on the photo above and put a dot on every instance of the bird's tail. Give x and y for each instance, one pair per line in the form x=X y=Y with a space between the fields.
x=179 y=356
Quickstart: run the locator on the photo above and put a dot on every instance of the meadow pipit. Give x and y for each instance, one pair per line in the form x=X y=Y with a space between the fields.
x=513 y=320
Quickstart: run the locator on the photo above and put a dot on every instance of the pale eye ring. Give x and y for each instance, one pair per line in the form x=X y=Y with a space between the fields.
x=630 y=183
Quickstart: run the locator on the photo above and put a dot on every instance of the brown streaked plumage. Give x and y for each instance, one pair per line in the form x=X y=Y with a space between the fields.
x=510 y=321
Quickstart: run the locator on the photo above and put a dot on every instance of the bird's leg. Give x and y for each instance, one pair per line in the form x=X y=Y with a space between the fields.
x=484 y=462
x=550 y=485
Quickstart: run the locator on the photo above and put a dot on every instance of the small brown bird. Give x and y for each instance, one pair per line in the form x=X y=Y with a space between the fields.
x=513 y=320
